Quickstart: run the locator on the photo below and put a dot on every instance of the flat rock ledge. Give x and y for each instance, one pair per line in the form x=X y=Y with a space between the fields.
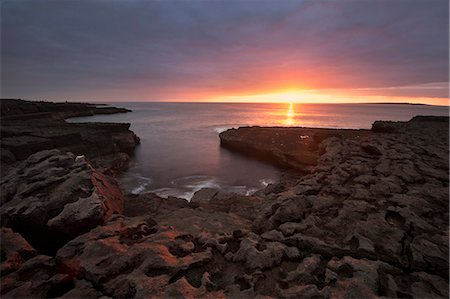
x=29 y=127
x=368 y=219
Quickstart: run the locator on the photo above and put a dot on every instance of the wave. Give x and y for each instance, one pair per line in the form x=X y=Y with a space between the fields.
x=139 y=189
x=167 y=192
x=185 y=187
x=221 y=129
x=265 y=182
x=136 y=183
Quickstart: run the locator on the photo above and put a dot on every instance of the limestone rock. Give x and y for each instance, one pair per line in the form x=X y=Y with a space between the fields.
x=50 y=198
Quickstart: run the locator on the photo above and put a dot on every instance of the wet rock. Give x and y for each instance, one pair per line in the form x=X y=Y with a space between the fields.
x=152 y=205
x=204 y=195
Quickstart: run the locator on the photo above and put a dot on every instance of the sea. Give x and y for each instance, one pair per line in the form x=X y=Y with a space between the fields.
x=180 y=149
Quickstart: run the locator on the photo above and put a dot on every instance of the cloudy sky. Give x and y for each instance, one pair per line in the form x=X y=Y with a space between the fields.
x=110 y=50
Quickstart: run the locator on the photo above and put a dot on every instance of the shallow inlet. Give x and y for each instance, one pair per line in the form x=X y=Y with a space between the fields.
x=180 y=152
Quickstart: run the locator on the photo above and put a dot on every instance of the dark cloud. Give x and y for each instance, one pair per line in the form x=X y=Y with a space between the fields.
x=135 y=50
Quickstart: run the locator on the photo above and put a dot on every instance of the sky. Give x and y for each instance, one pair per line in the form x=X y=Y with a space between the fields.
x=233 y=51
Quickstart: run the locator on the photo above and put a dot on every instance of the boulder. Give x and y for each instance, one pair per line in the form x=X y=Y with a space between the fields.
x=52 y=197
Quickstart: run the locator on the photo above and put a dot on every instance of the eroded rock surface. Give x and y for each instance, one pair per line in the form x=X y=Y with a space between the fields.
x=15 y=250
x=369 y=220
x=138 y=257
x=289 y=147
x=29 y=127
x=374 y=199
x=52 y=197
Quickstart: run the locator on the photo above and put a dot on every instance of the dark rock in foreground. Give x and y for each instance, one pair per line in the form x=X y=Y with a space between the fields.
x=368 y=219
x=53 y=197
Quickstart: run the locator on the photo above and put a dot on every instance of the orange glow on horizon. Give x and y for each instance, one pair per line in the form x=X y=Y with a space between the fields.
x=316 y=96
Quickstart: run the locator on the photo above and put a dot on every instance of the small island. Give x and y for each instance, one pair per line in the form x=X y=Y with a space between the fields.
x=362 y=213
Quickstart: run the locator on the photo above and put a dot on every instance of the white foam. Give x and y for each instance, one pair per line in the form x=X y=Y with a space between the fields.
x=265 y=182
x=139 y=189
x=139 y=182
x=166 y=192
x=185 y=187
x=221 y=129
x=250 y=191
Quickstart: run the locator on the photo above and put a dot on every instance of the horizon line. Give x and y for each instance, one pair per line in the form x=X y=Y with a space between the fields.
x=232 y=102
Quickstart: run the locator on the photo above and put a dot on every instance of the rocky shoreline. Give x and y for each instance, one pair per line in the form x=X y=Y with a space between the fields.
x=367 y=216
x=29 y=127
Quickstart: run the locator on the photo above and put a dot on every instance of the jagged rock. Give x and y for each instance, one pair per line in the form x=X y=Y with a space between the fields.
x=371 y=149
x=360 y=224
x=82 y=289
x=204 y=195
x=135 y=257
x=152 y=205
x=15 y=250
x=377 y=204
x=302 y=291
x=50 y=198
x=307 y=272
x=259 y=255
x=37 y=278
x=429 y=254
x=237 y=204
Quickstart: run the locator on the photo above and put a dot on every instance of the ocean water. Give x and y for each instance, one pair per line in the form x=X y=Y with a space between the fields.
x=180 y=149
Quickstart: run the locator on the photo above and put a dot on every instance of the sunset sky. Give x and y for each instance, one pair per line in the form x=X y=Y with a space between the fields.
x=233 y=51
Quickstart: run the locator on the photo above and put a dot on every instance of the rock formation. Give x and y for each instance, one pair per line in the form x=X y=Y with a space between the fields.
x=52 y=197
x=288 y=147
x=367 y=218
x=30 y=127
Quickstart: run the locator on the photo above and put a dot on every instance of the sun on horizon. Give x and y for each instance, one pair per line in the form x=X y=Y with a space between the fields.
x=325 y=97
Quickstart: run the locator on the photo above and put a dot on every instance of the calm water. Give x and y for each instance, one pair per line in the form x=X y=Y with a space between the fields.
x=180 y=151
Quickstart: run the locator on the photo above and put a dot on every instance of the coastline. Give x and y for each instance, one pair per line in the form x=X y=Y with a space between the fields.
x=367 y=217
x=29 y=127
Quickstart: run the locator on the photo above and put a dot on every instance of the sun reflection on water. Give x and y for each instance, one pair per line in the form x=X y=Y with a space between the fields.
x=290 y=115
